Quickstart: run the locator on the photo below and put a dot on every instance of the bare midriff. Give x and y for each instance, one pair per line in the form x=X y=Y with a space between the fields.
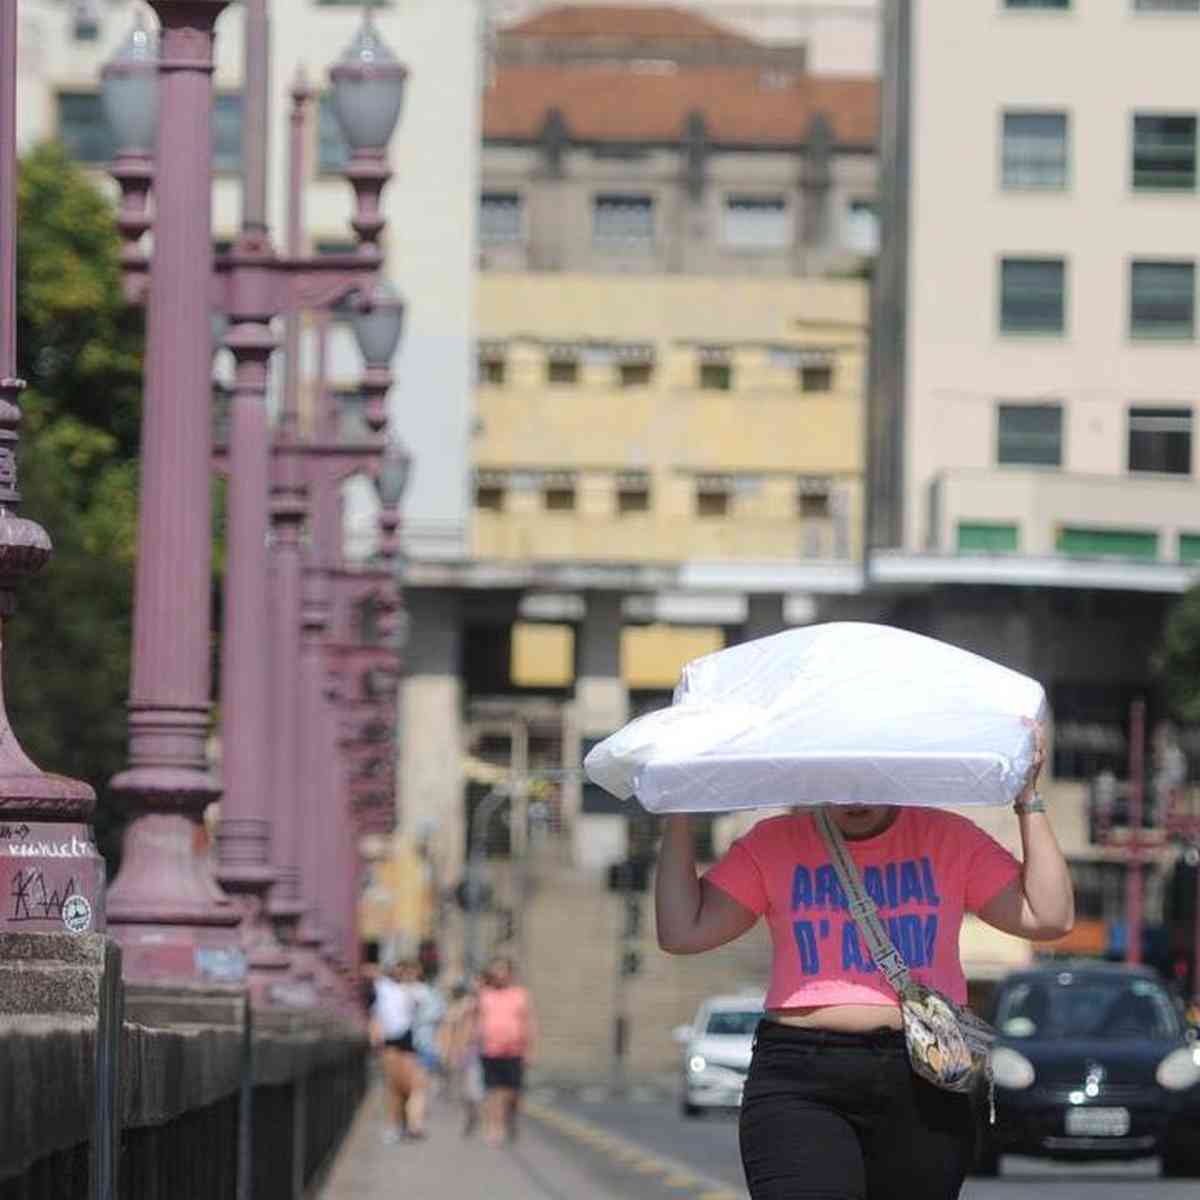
x=841 y=1018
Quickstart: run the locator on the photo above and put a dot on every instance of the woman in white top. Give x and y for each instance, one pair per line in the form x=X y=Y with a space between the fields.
x=400 y=997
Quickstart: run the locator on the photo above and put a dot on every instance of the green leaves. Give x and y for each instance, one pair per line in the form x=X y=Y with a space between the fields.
x=1178 y=659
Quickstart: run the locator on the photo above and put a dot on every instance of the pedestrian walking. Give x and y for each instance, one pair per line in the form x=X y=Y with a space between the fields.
x=832 y=1107
x=400 y=999
x=459 y=1044
x=506 y=1039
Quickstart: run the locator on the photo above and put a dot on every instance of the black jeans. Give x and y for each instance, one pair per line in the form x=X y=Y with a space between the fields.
x=841 y=1116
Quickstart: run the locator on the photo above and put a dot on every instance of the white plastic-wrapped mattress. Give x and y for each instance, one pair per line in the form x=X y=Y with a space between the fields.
x=844 y=713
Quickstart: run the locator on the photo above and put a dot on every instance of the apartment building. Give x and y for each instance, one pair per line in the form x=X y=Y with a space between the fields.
x=1031 y=464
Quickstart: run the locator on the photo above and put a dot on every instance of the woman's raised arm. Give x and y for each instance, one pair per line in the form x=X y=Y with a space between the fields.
x=692 y=915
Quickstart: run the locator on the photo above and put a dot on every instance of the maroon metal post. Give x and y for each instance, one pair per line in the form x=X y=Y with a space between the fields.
x=50 y=874
x=1133 y=865
x=164 y=906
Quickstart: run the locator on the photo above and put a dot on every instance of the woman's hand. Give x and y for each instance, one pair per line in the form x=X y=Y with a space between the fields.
x=1039 y=760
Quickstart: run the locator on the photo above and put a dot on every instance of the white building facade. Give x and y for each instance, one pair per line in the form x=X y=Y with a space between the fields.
x=430 y=204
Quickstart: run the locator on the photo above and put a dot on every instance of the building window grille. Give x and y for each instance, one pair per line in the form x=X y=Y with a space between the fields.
x=559 y=498
x=623 y=223
x=1160 y=439
x=493 y=370
x=501 y=219
x=757 y=223
x=1164 y=153
x=1167 y=6
x=1162 y=300
x=635 y=374
x=816 y=377
x=716 y=376
x=1029 y=435
x=83 y=128
x=1107 y=543
x=1032 y=295
x=982 y=537
x=1034 y=151
x=562 y=371
x=333 y=151
x=227 y=132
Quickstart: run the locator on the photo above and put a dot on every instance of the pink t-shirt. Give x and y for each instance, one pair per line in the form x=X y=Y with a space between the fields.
x=923 y=873
x=505 y=1022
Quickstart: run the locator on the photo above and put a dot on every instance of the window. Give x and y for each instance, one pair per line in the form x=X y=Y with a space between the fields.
x=1031 y=295
x=559 y=496
x=816 y=377
x=814 y=506
x=1107 y=543
x=635 y=374
x=1034 y=151
x=83 y=127
x=1164 y=153
x=1167 y=6
x=757 y=223
x=633 y=496
x=1189 y=547
x=986 y=537
x=712 y=504
x=1037 y=3
x=623 y=223
x=861 y=231
x=227 y=132
x=333 y=151
x=1162 y=302
x=716 y=377
x=501 y=219
x=1160 y=439
x=562 y=370
x=489 y=497
x=1029 y=435
x=493 y=369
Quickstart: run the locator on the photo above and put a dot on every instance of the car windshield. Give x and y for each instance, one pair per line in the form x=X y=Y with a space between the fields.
x=733 y=1022
x=1085 y=1006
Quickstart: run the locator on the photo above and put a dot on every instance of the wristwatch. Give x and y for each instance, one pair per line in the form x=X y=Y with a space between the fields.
x=1032 y=804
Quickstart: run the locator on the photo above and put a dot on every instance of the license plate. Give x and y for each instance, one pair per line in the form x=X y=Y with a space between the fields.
x=1098 y=1122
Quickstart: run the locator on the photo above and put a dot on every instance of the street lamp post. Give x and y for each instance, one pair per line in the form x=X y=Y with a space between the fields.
x=42 y=893
x=164 y=906
x=253 y=285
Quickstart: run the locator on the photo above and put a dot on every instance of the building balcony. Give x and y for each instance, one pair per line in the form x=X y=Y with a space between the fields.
x=1054 y=528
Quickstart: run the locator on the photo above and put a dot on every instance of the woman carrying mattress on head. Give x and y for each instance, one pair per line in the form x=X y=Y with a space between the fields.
x=832 y=1108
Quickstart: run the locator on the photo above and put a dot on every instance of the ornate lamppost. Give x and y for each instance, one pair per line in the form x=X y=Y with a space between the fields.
x=167 y=910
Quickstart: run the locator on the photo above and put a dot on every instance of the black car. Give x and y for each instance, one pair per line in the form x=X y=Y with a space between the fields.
x=1094 y=1060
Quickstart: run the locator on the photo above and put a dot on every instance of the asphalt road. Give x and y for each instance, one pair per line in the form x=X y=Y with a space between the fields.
x=707 y=1146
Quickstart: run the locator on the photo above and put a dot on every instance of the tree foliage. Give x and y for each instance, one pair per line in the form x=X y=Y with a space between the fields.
x=1178 y=658
x=79 y=350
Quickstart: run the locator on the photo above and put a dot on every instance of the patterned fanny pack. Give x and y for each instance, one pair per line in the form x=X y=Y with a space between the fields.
x=948 y=1045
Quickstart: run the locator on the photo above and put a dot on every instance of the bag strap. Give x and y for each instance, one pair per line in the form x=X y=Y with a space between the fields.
x=862 y=908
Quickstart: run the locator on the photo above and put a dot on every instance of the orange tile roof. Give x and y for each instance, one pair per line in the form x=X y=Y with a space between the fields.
x=613 y=21
x=741 y=105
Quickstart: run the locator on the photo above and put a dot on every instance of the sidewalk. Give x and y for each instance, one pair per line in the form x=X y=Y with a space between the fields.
x=448 y=1166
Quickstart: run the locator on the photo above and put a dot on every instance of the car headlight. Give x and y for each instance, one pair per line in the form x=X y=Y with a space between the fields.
x=1180 y=1070
x=1011 y=1069
x=697 y=1063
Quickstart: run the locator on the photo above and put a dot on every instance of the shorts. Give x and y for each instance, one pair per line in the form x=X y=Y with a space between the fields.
x=503 y=1073
x=403 y=1042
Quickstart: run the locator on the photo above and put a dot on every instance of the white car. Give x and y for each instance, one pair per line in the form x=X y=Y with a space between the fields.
x=716 y=1051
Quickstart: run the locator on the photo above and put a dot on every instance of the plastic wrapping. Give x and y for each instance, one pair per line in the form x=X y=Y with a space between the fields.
x=844 y=713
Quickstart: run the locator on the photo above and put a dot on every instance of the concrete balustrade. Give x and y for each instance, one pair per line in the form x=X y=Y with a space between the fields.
x=111 y=1091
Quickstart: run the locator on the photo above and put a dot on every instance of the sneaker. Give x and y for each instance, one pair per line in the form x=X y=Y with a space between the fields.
x=391 y=1137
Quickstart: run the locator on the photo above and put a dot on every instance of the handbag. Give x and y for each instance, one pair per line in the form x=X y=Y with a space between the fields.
x=947 y=1044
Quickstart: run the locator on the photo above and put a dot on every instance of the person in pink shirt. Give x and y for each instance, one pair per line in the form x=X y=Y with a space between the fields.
x=831 y=1108
x=506 y=1036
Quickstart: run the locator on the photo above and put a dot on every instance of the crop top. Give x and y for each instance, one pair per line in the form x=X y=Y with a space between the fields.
x=923 y=872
